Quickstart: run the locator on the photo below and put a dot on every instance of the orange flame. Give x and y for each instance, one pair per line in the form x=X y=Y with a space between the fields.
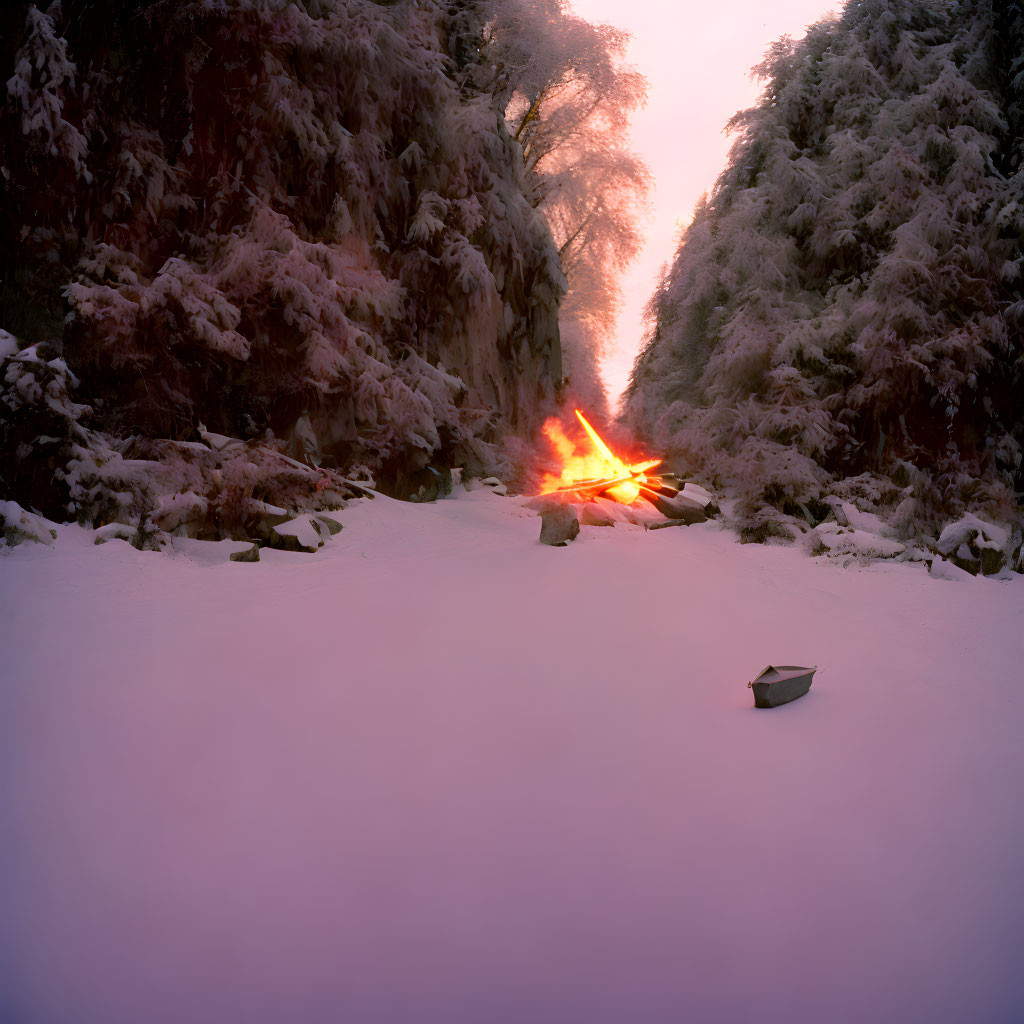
x=600 y=470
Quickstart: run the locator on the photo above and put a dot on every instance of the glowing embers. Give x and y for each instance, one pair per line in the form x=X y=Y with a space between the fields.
x=597 y=471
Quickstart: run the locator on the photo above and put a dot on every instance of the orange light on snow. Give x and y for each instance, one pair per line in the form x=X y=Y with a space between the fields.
x=599 y=471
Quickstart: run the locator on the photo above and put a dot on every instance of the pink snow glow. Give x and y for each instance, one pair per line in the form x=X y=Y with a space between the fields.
x=443 y=774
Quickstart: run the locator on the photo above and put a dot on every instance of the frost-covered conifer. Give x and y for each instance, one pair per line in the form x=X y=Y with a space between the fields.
x=839 y=316
x=568 y=96
x=292 y=223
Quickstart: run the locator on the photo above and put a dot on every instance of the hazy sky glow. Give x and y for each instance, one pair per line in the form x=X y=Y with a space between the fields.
x=697 y=58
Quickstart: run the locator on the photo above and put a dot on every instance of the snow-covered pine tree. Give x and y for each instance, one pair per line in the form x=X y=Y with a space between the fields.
x=292 y=223
x=840 y=313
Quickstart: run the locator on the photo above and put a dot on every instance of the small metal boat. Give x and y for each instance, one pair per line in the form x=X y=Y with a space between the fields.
x=779 y=684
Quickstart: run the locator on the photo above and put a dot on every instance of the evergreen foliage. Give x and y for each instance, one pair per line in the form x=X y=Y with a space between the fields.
x=299 y=224
x=843 y=315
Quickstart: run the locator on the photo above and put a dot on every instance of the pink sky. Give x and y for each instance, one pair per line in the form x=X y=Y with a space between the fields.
x=697 y=58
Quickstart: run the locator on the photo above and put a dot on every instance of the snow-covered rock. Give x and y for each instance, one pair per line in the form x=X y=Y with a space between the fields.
x=330 y=500
x=940 y=569
x=540 y=502
x=975 y=545
x=838 y=509
x=971 y=528
x=298 y=534
x=182 y=510
x=272 y=514
x=615 y=511
x=332 y=526
x=251 y=553
x=18 y=525
x=115 y=531
x=495 y=485
x=559 y=525
x=838 y=540
x=594 y=515
x=214 y=552
x=868 y=522
x=145 y=536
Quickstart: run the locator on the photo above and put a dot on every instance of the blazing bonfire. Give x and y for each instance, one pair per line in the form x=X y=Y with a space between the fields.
x=590 y=475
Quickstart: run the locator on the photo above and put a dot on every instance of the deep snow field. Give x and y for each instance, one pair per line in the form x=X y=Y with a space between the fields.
x=439 y=773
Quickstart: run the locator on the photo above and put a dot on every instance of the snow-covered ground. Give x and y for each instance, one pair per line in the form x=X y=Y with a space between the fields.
x=438 y=772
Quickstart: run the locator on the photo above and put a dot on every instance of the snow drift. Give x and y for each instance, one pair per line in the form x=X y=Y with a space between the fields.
x=441 y=773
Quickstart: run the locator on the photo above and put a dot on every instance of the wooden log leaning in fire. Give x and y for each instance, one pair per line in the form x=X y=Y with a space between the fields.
x=594 y=487
x=681 y=508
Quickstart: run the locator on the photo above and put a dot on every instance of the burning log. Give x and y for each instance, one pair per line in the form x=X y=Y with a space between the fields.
x=588 y=476
x=599 y=472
